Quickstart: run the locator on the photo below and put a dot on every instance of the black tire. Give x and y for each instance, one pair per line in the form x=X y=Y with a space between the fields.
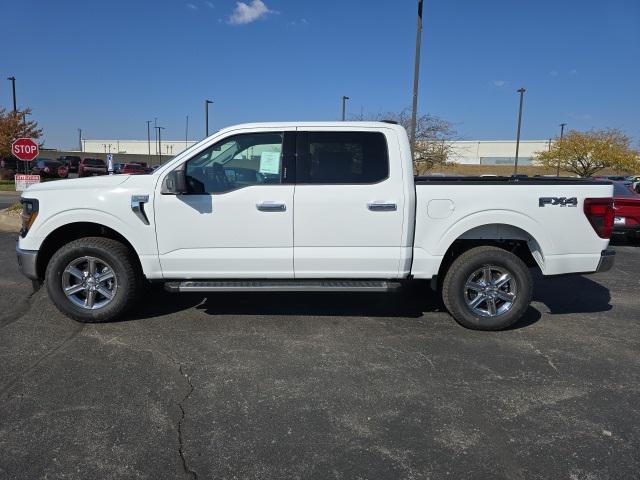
x=117 y=256
x=455 y=292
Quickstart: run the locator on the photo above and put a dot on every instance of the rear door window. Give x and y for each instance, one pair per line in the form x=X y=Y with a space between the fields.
x=342 y=158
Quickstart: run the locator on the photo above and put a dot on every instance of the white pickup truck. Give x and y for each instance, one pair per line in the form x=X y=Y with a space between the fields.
x=318 y=206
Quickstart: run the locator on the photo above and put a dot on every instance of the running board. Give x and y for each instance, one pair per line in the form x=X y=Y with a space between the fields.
x=282 y=286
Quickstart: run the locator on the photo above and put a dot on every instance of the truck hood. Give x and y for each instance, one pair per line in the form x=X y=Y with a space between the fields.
x=104 y=181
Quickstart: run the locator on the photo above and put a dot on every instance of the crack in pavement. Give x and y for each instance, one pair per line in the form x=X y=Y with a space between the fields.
x=185 y=464
x=9 y=385
x=21 y=309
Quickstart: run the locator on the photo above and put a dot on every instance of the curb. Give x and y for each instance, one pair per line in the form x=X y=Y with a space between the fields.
x=9 y=223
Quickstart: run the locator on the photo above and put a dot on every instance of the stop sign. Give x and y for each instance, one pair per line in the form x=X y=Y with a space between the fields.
x=25 y=149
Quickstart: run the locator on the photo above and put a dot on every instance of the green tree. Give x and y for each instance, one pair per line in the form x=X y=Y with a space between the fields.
x=15 y=125
x=586 y=153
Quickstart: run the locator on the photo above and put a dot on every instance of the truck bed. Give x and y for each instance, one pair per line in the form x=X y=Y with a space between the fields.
x=502 y=180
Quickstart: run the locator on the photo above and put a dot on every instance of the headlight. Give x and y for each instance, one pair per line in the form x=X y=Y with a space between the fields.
x=29 y=214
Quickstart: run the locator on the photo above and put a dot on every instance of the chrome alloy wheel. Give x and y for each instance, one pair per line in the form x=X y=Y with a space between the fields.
x=89 y=283
x=490 y=291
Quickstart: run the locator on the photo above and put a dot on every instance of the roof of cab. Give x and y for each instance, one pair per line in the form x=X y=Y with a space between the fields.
x=331 y=124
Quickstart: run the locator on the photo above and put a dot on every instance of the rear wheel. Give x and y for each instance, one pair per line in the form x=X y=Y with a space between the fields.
x=92 y=279
x=487 y=288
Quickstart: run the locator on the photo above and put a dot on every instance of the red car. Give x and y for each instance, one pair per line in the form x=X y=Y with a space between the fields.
x=133 y=169
x=626 y=207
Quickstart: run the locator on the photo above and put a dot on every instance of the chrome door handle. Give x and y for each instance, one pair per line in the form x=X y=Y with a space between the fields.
x=382 y=207
x=271 y=207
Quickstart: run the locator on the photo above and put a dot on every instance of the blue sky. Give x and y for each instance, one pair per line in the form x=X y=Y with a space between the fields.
x=109 y=66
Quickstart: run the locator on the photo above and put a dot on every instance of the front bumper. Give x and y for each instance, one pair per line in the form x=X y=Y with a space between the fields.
x=27 y=261
x=607 y=258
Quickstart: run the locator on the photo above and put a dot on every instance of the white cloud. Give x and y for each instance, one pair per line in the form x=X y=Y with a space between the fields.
x=553 y=73
x=573 y=71
x=302 y=21
x=210 y=4
x=247 y=13
x=191 y=6
x=499 y=83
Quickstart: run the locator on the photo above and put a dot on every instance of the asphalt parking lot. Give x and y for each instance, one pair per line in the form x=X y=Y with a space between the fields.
x=323 y=386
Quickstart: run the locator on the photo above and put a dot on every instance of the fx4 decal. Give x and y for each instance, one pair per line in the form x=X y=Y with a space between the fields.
x=561 y=201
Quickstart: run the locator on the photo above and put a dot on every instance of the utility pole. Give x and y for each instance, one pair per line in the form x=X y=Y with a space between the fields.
x=344 y=107
x=13 y=84
x=562 y=125
x=186 y=133
x=159 y=130
x=206 y=117
x=521 y=92
x=80 y=138
x=149 y=138
x=416 y=77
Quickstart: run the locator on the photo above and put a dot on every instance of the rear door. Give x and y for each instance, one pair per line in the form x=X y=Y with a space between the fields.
x=349 y=204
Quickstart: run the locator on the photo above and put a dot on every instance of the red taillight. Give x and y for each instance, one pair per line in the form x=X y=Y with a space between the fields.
x=599 y=212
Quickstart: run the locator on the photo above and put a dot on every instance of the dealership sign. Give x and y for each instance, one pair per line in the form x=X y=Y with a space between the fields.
x=25 y=149
x=25 y=181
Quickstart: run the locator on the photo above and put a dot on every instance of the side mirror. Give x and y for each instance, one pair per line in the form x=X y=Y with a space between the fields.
x=174 y=183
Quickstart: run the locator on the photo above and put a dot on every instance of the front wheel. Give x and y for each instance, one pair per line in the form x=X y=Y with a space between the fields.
x=487 y=288
x=92 y=279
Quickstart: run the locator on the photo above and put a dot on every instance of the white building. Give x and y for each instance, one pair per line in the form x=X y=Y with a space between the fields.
x=497 y=152
x=136 y=147
x=478 y=152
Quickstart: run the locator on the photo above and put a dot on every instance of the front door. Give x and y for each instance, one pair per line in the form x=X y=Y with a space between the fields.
x=237 y=219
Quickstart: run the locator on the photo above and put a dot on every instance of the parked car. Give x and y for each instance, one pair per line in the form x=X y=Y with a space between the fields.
x=72 y=162
x=635 y=182
x=626 y=205
x=133 y=169
x=92 y=166
x=613 y=178
x=144 y=165
x=117 y=168
x=48 y=168
x=362 y=223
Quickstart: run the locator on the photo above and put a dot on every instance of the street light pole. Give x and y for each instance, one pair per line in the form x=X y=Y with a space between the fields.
x=149 y=138
x=521 y=92
x=159 y=129
x=562 y=125
x=80 y=138
x=206 y=117
x=344 y=107
x=13 y=84
x=159 y=132
x=186 y=133
x=416 y=77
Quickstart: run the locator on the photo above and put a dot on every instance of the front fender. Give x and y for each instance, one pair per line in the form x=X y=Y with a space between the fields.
x=141 y=237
